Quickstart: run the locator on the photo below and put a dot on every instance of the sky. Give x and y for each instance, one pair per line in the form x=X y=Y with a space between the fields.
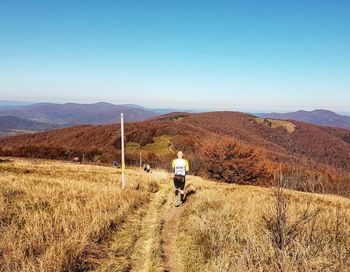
x=227 y=55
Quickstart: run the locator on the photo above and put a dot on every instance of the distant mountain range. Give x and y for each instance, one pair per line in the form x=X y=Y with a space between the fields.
x=317 y=117
x=76 y=114
x=21 y=117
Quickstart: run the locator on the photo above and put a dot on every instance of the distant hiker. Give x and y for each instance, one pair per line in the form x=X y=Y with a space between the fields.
x=76 y=159
x=180 y=167
x=147 y=168
x=115 y=164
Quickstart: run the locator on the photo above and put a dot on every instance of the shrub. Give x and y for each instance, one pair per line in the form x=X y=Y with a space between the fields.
x=298 y=179
x=233 y=162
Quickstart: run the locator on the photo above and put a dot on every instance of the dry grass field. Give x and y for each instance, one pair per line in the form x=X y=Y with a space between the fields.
x=62 y=217
x=161 y=145
x=248 y=228
x=274 y=123
x=57 y=216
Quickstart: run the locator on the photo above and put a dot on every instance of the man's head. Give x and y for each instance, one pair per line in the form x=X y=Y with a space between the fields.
x=180 y=154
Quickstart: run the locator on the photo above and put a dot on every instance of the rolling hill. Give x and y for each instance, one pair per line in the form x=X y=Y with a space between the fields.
x=208 y=139
x=11 y=125
x=317 y=117
x=76 y=114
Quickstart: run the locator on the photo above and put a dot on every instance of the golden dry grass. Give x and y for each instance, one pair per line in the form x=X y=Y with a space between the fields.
x=228 y=228
x=161 y=145
x=274 y=123
x=61 y=217
x=57 y=216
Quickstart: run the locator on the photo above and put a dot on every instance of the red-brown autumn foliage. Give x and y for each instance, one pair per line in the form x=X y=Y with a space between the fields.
x=313 y=149
x=234 y=162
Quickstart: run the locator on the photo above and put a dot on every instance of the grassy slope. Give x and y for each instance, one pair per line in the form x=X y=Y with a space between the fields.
x=308 y=147
x=272 y=123
x=161 y=145
x=63 y=216
x=229 y=228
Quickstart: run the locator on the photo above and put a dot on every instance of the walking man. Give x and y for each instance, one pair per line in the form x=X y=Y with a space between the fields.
x=180 y=167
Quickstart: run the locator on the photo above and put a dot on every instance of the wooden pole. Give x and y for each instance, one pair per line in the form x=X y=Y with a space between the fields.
x=141 y=159
x=123 y=151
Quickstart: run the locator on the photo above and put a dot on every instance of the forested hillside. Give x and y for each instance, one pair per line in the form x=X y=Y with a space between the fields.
x=230 y=146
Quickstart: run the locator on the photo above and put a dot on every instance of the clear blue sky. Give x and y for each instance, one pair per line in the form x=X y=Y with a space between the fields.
x=259 y=55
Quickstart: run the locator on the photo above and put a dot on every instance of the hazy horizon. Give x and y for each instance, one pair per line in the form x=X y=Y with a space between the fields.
x=193 y=109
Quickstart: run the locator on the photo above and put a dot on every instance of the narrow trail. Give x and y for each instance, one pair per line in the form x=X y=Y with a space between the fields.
x=169 y=233
x=146 y=256
x=155 y=249
x=171 y=258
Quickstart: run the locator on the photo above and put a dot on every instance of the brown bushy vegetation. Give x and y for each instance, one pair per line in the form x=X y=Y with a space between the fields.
x=50 y=152
x=309 y=145
x=297 y=179
x=234 y=162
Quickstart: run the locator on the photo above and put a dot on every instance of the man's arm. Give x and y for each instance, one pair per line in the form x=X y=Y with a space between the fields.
x=187 y=166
